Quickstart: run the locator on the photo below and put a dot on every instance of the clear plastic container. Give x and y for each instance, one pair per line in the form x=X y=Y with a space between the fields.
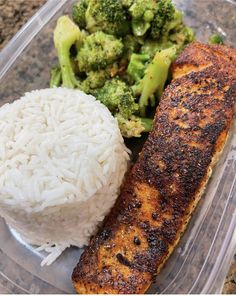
x=200 y=262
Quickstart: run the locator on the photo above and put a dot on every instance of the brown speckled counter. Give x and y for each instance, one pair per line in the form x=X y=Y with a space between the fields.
x=13 y=14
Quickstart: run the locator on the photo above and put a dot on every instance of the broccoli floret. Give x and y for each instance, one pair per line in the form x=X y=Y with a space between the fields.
x=118 y=97
x=108 y=16
x=131 y=45
x=215 y=39
x=66 y=34
x=163 y=15
x=94 y=80
x=137 y=66
x=133 y=126
x=182 y=37
x=172 y=32
x=98 y=51
x=127 y=3
x=175 y=22
x=155 y=77
x=142 y=13
x=78 y=13
x=178 y=33
x=56 y=78
x=151 y=47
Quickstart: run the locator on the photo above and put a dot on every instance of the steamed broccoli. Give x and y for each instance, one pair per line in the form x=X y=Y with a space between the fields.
x=155 y=77
x=133 y=126
x=173 y=33
x=120 y=51
x=163 y=15
x=215 y=39
x=118 y=97
x=131 y=45
x=137 y=66
x=175 y=22
x=78 y=13
x=151 y=47
x=178 y=33
x=181 y=37
x=127 y=3
x=142 y=13
x=98 y=51
x=66 y=34
x=94 y=80
x=55 y=76
x=108 y=16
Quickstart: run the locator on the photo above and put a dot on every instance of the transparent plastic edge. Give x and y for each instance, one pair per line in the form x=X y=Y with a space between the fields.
x=221 y=267
x=215 y=280
x=24 y=36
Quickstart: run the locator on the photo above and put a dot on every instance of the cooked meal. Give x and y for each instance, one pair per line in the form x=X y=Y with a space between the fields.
x=62 y=163
x=160 y=193
x=125 y=67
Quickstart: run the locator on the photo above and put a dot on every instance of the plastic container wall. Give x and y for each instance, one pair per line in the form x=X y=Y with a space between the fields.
x=201 y=260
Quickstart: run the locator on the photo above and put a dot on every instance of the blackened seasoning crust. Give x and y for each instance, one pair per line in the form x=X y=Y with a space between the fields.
x=160 y=193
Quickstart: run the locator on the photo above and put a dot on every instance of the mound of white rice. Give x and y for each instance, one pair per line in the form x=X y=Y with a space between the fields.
x=62 y=161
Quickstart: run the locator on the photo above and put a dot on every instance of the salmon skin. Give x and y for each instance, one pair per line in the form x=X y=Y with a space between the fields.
x=164 y=186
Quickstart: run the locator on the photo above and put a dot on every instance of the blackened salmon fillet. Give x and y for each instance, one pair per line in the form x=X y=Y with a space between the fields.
x=160 y=193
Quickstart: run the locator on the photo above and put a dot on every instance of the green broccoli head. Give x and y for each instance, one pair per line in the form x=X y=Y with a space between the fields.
x=133 y=126
x=127 y=3
x=137 y=66
x=78 y=13
x=177 y=32
x=131 y=45
x=66 y=34
x=108 y=16
x=98 y=51
x=94 y=80
x=163 y=15
x=183 y=36
x=118 y=97
x=151 y=47
x=168 y=32
x=215 y=39
x=142 y=13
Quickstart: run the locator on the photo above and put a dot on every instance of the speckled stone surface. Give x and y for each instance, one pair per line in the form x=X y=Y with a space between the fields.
x=13 y=14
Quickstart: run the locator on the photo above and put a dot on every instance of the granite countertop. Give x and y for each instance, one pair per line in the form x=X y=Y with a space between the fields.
x=13 y=14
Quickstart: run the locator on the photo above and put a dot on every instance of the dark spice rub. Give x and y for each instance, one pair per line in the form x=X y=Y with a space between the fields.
x=164 y=186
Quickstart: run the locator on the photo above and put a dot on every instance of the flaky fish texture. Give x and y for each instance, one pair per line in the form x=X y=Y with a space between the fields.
x=161 y=191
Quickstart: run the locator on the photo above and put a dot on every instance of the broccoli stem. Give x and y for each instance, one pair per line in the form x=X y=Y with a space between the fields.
x=66 y=34
x=55 y=77
x=147 y=124
x=68 y=76
x=155 y=77
x=140 y=28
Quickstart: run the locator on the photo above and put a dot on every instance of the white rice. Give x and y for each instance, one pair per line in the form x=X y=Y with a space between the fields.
x=62 y=161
